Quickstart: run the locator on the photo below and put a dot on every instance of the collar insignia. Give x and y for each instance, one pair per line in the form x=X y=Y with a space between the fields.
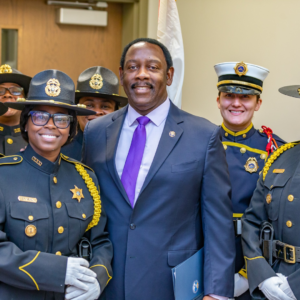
x=241 y=69
x=5 y=69
x=77 y=193
x=38 y=162
x=52 y=88
x=96 y=82
x=251 y=165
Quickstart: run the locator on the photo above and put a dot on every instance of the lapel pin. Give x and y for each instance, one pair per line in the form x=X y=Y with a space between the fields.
x=172 y=133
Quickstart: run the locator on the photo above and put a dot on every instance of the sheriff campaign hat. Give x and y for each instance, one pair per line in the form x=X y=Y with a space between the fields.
x=8 y=74
x=51 y=88
x=99 y=82
x=240 y=78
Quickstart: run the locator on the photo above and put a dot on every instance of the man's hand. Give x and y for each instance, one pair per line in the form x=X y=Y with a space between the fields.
x=93 y=292
x=78 y=274
x=271 y=289
x=241 y=285
x=286 y=287
x=209 y=298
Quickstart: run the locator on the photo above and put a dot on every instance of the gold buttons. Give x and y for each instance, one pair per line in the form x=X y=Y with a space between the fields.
x=289 y=224
x=263 y=156
x=291 y=198
x=226 y=133
x=58 y=253
x=261 y=131
x=243 y=150
x=30 y=230
x=225 y=147
x=244 y=135
x=9 y=141
x=60 y=229
x=269 y=198
x=84 y=216
x=58 y=204
x=54 y=179
x=30 y=218
x=15 y=158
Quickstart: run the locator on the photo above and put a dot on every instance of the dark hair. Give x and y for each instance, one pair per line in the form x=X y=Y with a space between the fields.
x=257 y=96
x=24 y=119
x=165 y=50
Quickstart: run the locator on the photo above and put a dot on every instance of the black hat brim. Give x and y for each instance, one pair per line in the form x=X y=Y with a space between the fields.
x=3 y=109
x=119 y=99
x=21 y=105
x=291 y=90
x=20 y=79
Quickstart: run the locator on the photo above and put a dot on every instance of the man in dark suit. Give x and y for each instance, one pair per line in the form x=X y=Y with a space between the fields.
x=164 y=184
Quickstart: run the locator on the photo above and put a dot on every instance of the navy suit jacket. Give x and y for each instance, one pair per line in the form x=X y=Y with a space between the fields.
x=183 y=205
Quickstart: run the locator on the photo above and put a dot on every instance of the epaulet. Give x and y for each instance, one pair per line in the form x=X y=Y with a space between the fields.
x=74 y=161
x=275 y=155
x=10 y=160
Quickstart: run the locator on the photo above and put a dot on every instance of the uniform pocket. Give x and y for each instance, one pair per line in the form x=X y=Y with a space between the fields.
x=28 y=226
x=80 y=215
x=177 y=257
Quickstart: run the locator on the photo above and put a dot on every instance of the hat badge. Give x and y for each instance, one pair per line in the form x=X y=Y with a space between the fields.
x=52 y=88
x=5 y=69
x=241 y=69
x=96 y=82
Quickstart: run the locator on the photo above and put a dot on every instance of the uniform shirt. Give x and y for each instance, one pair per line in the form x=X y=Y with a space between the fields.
x=42 y=219
x=11 y=140
x=154 y=131
x=242 y=148
x=74 y=149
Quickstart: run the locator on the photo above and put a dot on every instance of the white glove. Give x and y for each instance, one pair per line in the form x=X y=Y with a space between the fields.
x=241 y=285
x=286 y=287
x=77 y=271
x=271 y=288
x=77 y=294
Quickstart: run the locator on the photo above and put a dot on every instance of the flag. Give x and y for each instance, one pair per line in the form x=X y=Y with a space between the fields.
x=169 y=33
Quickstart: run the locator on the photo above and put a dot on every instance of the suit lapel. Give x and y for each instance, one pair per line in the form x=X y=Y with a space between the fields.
x=113 y=132
x=166 y=143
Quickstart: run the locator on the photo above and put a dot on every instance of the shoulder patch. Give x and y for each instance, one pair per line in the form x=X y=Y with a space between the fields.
x=74 y=161
x=11 y=160
x=275 y=155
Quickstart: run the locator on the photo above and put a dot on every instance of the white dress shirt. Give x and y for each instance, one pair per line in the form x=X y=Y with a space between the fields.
x=154 y=131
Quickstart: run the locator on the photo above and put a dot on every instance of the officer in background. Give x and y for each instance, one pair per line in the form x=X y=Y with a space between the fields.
x=240 y=86
x=97 y=89
x=13 y=85
x=274 y=270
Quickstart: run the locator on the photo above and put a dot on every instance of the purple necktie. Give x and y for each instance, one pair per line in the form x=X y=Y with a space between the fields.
x=134 y=158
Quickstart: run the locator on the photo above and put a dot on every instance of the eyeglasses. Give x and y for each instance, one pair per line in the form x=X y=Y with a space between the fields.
x=41 y=118
x=14 y=90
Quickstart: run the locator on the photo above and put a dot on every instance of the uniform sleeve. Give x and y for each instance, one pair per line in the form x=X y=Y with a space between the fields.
x=102 y=249
x=257 y=267
x=29 y=270
x=216 y=207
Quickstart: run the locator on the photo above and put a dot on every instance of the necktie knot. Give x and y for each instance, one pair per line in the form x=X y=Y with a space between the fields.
x=143 y=120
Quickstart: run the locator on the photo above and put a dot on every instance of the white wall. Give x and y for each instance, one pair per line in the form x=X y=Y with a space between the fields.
x=263 y=32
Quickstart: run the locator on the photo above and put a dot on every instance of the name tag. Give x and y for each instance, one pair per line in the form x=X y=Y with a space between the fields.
x=27 y=199
x=278 y=171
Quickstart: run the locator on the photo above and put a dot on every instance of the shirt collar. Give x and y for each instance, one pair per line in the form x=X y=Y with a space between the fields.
x=156 y=116
x=40 y=162
x=227 y=134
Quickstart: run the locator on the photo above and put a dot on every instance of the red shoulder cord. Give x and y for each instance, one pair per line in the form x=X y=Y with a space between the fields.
x=272 y=145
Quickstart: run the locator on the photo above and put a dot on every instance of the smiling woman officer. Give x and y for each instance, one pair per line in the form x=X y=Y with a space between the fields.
x=97 y=89
x=53 y=205
x=240 y=86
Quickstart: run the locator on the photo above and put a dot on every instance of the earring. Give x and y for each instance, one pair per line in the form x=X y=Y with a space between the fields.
x=25 y=130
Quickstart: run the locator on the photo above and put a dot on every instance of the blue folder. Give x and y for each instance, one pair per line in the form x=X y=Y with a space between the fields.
x=188 y=278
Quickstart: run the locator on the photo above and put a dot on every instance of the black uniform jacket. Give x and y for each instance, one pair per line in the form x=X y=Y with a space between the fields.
x=277 y=200
x=11 y=140
x=41 y=223
x=74 y=149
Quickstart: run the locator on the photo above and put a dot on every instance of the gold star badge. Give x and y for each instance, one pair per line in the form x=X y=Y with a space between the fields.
x=77 y=193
